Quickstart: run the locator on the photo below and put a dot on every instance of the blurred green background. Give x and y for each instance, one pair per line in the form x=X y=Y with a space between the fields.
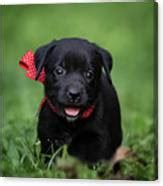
x=127 y=31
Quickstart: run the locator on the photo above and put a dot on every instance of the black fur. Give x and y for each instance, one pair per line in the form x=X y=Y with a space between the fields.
x=91 y=139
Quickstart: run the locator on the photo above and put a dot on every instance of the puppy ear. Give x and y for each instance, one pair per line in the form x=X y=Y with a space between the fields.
x=40 y=56
x=106 y=62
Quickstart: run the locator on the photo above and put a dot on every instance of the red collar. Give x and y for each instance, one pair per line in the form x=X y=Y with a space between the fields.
x=86 y=114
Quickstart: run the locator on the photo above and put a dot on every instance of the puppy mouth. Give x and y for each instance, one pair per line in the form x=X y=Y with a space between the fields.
x=72 y=111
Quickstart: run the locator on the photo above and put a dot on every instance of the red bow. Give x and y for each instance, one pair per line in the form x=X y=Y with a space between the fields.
x=27 y=62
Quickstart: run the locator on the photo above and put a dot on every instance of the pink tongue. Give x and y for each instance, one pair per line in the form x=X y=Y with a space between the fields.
x=72 y=111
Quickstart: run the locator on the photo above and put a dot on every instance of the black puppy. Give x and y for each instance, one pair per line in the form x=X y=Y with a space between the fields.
x=82 y=108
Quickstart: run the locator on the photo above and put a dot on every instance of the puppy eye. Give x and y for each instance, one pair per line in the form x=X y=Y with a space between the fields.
x=59 y=71
x=89 y=75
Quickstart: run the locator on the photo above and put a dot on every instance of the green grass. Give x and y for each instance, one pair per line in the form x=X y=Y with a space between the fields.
x=127 y=31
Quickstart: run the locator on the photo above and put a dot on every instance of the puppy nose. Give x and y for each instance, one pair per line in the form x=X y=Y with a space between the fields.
x=73 y=95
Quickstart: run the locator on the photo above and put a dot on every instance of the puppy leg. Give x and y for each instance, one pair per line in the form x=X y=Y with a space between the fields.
x=87 y=147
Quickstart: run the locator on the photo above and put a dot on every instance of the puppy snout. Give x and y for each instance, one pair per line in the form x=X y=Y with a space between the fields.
x=74 y=95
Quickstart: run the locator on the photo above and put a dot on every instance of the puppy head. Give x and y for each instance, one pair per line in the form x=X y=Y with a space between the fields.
x=73 y=74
